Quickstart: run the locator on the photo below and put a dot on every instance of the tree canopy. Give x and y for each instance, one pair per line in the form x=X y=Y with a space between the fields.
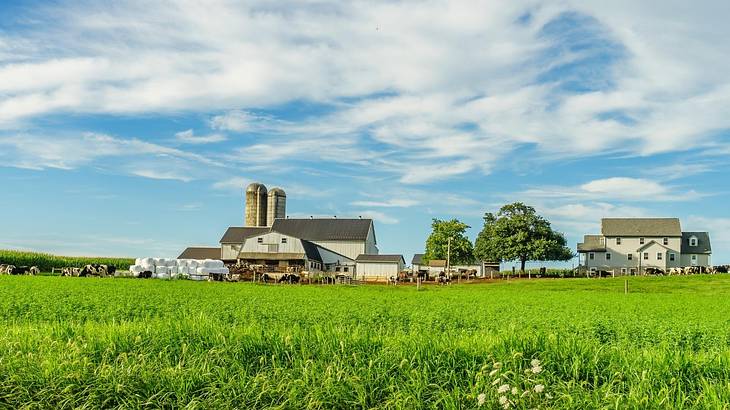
x=462 y=250
x=518 y=233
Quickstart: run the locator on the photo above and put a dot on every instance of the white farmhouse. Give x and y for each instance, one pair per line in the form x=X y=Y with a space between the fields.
x=631 y=245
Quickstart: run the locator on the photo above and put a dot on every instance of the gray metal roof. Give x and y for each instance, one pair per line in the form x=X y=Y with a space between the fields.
x=703 y=243
x=417 y=259
x=311 y=250
x=324 y=229
x=380 y=258
x=200 y=253
x=238 y=234
x=591 y=243
x=641 y=227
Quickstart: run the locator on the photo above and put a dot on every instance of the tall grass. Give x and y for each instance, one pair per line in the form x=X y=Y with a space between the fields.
x=45 y=262
x=85 y=342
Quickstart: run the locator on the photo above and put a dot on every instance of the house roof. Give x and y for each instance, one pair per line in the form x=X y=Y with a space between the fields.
x=200 y=253
x=591 y=243
x=238 y=234
x=641 y=227
x=437 y=263
x=324 y=229
x=703 y=243
x=417 y=259
x=380 y=258
x=649 y=244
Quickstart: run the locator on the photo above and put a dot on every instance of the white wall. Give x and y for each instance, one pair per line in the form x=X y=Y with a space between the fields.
x=377 y=270
x=351 y=249
x=292 y=245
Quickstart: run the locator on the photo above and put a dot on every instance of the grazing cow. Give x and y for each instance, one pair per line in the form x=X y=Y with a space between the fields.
x=423 y=275
x=393 y=280
x=722 y=268
x=289 y=278
x=653 y=271
x=3 y=269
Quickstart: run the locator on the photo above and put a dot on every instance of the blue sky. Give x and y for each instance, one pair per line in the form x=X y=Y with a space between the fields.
x=131 y=130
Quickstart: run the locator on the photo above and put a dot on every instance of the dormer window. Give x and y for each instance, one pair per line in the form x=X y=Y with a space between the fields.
x=693 y=241
x=618 y=241
x=641 y=241
x=666 y=241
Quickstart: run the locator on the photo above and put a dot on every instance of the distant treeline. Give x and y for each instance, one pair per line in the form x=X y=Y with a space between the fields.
x=550 y=272
x=45 y=262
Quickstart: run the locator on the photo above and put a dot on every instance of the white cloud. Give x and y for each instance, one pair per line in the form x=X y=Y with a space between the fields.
x=719 y=230
x=378 y=216
x=615 y=188
x=189 y=137
x=443 y=89
x=390 y=203
x=237 y=184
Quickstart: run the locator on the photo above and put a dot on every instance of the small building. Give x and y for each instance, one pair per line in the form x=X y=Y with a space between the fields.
x=200 y=253
x=631 y=245
x=379 y=267
x=435 y=267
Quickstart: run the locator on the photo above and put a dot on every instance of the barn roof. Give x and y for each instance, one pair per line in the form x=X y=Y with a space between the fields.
x=324 y=229
x=380 y=258
x=200 y=253
x=641 y=227
x=238 y=234
x=703 y=243
x=417 y=259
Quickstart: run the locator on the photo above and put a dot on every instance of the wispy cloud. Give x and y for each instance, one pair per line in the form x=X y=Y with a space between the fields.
x=189 y=137
x=391 y=203
x=615 y=188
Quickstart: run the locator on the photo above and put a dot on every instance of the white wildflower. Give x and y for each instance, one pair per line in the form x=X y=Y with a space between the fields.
x=503 y=400
x=481 y=399
x=539 y=388
x=503 y=388
x=535 y=363
x=536 y=369
x=493 y=372
x=548 y=395
x=515 y=391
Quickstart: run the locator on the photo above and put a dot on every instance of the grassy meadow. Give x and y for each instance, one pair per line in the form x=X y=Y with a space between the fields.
x=548 y=343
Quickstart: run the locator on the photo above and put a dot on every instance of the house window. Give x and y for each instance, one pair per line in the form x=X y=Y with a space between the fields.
x=337 y=269
x=671 y=257
x=641 y=241
x=593 y=270
x=345 y=269
x=260 y=240
x=608 y=256
x=693 y=241
x=646 y=256
x=633 y=271
x=666 y=241
x=623 y=271
x=630 y=256
x=618 y=241
x=591 y=256
x=283 y=240
x=694 y=258
x=658 y=256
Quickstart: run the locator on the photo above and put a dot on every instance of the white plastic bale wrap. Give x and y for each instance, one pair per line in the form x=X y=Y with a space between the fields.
x=161 y=270
x=173 y=270
x=193 y=264
x=212 y=263
x=146 y=262
x=171 y=262
x=160 y=262
x=137 y=269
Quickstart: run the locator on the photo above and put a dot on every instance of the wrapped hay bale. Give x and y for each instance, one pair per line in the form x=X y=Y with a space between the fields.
x=161 y=270
x=171 y=262
x=212 y=263
x=146 y=262
x=194 y=264
x=160 y=262
x=137 y=269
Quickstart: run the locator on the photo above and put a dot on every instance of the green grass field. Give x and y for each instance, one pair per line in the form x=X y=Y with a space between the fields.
x=100 y=343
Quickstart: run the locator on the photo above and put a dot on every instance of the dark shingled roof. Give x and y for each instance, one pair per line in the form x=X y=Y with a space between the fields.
x=238 y=234
x=591 y=243
x=380 y=258
x=329 y=229
x=703 y=243
x=311 y=250
x=417 y=259
x=641 y=227
x=200 y=253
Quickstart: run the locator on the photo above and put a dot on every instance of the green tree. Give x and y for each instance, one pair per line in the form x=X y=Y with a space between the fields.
x=518 y=233
x=462 y=250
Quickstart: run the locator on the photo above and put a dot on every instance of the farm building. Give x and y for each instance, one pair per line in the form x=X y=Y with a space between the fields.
x=631 y=245
x=276 y=242
x=379 y=267
x=434 y=267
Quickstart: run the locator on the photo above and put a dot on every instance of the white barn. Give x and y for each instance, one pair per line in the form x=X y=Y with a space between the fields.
x=379 y=267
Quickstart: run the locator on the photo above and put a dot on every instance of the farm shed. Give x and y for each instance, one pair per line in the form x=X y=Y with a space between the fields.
x=379 y=267
x=200 y=253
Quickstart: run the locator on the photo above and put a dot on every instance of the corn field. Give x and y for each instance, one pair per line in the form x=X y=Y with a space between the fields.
x=570 y=344
x=45 y=262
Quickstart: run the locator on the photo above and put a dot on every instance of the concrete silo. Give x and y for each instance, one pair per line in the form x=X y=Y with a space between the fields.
x=276 y=205
x=256 y=200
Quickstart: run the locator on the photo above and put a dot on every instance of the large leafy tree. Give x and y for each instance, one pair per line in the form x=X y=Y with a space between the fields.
x=518 y=233
x=462 y=250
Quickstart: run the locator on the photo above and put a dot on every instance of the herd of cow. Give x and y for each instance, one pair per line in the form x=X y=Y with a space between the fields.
x=90 y=270
x=18 y=270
